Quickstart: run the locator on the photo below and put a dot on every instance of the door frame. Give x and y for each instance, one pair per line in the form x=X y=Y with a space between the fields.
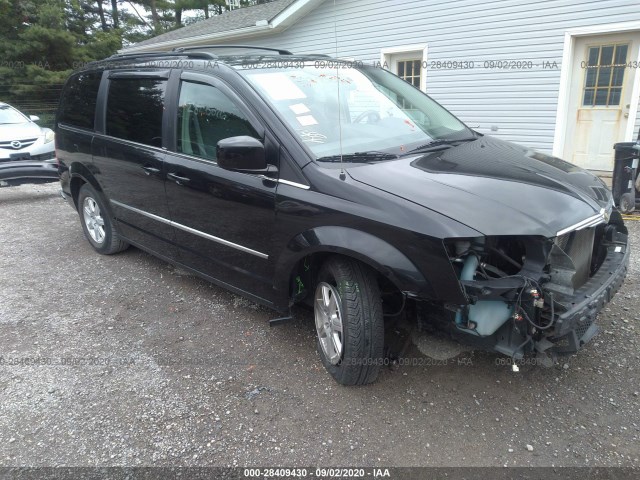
x=566 y=74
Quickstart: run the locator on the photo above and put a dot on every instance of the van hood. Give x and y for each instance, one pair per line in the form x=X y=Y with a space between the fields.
x=494 y=187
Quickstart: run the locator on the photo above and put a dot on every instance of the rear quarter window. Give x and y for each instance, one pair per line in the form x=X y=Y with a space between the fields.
x=78 y=101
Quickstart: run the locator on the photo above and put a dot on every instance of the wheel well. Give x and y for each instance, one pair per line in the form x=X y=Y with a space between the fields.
x=304 y=277
x=76 y=185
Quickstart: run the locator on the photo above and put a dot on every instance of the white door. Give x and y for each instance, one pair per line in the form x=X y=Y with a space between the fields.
x=600 y=98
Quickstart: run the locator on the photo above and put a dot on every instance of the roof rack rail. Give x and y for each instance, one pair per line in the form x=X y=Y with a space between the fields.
x=205 y=47
x=203 y=55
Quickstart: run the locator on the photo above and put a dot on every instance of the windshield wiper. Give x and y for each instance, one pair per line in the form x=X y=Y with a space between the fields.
x=371 y=156
x=439 y=144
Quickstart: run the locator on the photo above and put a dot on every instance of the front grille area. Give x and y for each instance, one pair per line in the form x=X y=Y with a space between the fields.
x=578 y=245
x=25 y=143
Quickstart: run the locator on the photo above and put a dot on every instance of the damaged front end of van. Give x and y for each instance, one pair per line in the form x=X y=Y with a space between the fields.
x=538 y=295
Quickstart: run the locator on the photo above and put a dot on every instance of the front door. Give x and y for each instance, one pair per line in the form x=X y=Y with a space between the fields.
x=600 y=98
x=224 y=220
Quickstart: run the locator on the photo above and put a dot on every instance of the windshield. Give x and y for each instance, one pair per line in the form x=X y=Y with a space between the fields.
x=11 y=115
x=347 y=111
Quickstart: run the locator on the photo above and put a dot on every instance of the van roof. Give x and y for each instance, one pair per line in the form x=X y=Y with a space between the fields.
x=204 y=53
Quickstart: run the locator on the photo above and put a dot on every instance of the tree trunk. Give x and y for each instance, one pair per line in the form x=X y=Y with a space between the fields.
x=154 y=15
x=178 y=17
x=103 y=20
x=114 y=14
x=206 y=10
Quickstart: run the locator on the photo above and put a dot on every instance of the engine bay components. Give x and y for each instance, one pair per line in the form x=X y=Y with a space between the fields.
x=525 y=294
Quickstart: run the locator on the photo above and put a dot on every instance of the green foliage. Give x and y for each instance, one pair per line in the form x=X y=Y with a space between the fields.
x=43 y=41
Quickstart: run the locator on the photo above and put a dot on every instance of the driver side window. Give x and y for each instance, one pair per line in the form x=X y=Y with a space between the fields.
x=206 y=116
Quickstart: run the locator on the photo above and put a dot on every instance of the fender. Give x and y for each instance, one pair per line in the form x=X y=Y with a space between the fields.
x=382 y=256
x=77 y=169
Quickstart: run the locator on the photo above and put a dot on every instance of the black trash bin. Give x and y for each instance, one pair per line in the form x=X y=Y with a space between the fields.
x=625 y=171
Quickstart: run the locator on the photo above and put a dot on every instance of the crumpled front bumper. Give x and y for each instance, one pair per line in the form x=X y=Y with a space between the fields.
x=576 y=326
x=27 y=171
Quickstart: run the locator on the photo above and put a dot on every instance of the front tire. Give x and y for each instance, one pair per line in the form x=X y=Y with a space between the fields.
x=97 y=225
x=349 y=321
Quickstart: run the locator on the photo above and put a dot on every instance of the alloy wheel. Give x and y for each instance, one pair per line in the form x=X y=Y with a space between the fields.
x=328 y=316
x=93 y=219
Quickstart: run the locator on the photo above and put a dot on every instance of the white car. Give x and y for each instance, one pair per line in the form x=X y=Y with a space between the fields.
x=27 y=151
x=23 y=139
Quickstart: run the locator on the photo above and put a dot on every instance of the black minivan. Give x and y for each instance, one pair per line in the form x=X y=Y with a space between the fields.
x=305 y=179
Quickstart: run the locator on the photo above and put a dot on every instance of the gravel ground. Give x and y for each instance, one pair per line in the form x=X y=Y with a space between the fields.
x=170 y=370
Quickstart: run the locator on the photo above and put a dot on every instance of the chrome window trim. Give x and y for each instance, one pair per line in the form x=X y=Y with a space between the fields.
x=131 y=143
x=285 y=182
x=213 y=163
x=72 y=128
x=219 y=240
x=206 y=161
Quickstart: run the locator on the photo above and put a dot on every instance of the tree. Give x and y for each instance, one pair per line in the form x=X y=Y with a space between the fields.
x=103 y=20
x=43 y=41
x=155 y=17
x=114 y=14
x=41 y=44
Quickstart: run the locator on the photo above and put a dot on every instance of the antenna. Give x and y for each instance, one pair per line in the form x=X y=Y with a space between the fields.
x=343 y=176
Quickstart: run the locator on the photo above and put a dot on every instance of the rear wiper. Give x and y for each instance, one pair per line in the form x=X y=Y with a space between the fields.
x=359 y=157
x=439 y=144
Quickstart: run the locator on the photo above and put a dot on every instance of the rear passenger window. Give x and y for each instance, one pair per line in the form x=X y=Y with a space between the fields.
x=78 y=102
x=134 y=109
x=206 y=116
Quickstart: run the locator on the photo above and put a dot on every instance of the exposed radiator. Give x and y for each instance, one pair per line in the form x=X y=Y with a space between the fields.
x=579 y=246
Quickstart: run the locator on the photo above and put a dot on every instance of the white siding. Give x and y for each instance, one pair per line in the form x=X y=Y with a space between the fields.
x=521 y=103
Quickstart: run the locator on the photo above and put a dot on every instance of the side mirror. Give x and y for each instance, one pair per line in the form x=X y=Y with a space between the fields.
x=34 y=118
x=241 y=154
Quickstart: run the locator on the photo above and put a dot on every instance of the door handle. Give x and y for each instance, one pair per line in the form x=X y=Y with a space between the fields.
x=178 y=179
x=151 y=170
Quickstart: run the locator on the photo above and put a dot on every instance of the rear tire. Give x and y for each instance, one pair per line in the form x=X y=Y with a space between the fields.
x=97 y=225
x=349 y=321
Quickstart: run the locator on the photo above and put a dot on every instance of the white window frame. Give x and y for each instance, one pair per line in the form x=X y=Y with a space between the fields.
x=391 y=55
